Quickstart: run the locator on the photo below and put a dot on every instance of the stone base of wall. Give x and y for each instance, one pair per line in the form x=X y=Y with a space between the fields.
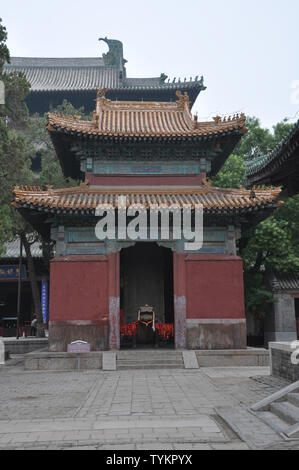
x=63 y=361
x=63 y=333
x=281 y=361
x=233 y=358
x=24 y=345
x=216 y=334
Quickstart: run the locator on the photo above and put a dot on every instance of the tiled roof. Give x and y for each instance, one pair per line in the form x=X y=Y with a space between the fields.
x=55 y=62
x=68 y=78
x=277 y=157
x=85 y=200
x=281 y=281
x=87 y=74
x=155 y=83
x=145 y=119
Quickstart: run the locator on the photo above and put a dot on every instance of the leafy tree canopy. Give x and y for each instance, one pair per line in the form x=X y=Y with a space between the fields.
x=4 y=52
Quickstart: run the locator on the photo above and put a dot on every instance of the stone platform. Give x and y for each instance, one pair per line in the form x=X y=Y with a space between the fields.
x=233 y=357
x=145 y=359
x=24 y=345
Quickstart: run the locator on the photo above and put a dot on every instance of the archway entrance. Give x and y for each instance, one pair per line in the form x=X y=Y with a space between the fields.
x=146 y=278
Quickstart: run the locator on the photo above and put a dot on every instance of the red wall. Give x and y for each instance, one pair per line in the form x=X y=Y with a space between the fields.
x=214 y=285
x=79 y=288
x=127 y=180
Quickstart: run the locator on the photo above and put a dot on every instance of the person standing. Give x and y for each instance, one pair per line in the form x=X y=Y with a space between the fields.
x=34 y=325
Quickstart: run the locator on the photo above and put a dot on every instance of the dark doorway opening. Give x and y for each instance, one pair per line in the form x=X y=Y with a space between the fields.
x=146 y=278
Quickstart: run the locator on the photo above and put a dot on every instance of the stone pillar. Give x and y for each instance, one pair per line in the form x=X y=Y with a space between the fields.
x=114 y=300
x=180 y=307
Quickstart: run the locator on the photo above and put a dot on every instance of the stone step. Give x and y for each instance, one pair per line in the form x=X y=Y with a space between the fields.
x=149 y=366
x=148 y=359
x=293 y=398
x=148 y=354
x=286 y=411
x=274 y=421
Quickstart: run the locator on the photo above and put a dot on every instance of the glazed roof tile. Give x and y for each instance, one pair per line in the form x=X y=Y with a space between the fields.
x=86 y=74
x=265 y=162
x=146 y=119
x=284 y=281
x=68 y=78
x=85 y=200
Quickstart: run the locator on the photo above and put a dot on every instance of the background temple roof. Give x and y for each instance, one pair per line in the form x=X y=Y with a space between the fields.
x=281 y=166
x=52 y=77
x=281 y=281
x=13 y=250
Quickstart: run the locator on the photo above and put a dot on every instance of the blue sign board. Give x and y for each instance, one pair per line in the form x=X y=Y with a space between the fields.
x=44 y=301
x=12 y=271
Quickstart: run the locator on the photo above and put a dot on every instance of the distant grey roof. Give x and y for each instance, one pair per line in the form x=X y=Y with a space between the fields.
x=86 y=74
x=56 y=62
x=13 y=250
x=280 y=282
x=46 y=78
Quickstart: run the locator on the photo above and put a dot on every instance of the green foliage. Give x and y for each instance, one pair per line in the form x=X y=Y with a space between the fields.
x=38 y=142
x=257 y=295
x=15 y=109
x=273 y=244
x=5 y=225
x=232 y=173
x=257 y=141
x=4 y=52
x=281 y=130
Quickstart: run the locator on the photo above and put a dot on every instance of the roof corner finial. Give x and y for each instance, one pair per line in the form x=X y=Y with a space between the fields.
x=163 y=77
x=101 y=92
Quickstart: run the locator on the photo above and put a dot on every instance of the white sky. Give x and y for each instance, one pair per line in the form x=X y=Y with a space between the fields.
x=247 y=51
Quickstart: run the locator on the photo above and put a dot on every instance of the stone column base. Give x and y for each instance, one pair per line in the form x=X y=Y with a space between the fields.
x=63 y=333
x=216 y=334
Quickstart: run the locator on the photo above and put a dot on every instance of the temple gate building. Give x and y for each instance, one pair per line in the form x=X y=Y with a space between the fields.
x=151 y=153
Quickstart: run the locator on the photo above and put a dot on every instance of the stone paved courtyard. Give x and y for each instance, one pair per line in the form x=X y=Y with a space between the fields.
x=141 y=409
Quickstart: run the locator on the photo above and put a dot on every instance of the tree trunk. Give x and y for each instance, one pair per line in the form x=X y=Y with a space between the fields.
x=34 y=288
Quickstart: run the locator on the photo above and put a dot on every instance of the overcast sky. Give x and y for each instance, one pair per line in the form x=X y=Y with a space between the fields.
x=247 y=51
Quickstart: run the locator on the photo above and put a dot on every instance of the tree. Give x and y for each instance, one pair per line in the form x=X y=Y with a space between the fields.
x=257 y=141
x=15 y=165
x=273 y=244
x=232 y=173
x=4 y=52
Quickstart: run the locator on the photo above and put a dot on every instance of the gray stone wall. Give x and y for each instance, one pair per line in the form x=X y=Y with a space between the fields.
x=281 y=363
x=280 y=322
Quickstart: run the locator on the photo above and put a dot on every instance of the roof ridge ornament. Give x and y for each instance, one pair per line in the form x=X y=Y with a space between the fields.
x=183 y=99
x=115 y=55
x=101 y=92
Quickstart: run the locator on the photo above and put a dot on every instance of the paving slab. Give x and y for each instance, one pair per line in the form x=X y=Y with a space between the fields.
x=190 y=360
x=204 y=408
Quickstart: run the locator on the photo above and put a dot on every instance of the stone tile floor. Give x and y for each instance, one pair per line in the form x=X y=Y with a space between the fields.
x=141 y=409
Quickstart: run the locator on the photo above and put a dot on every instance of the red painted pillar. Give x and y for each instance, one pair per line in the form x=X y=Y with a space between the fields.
x=180 y=308
x=114 y=294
